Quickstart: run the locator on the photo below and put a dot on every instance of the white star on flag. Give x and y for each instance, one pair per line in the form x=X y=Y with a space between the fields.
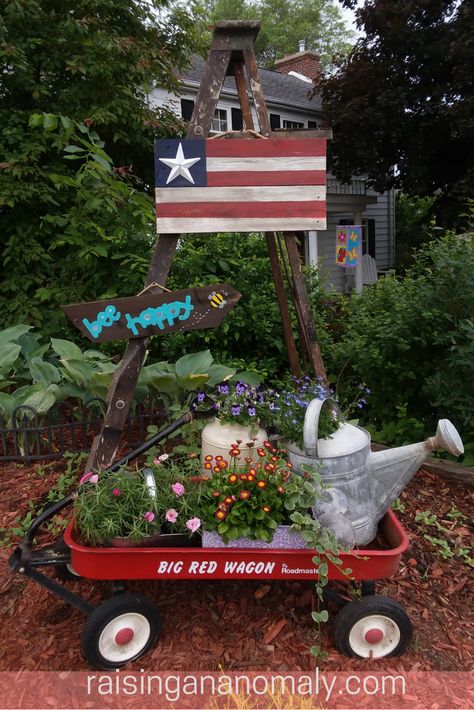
x=179 y=165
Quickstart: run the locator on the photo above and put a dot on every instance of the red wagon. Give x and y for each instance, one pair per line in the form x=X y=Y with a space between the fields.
x=126 y=626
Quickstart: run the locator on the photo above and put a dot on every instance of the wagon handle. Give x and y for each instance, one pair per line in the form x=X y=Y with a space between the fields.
x=311 y=423
x=49 y=512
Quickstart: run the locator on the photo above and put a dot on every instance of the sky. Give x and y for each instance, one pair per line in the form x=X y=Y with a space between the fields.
x=349 y=16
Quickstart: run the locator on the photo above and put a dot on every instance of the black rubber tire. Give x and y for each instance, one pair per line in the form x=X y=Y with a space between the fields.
x=107 y=612
x=359 y=609
x=63 y=573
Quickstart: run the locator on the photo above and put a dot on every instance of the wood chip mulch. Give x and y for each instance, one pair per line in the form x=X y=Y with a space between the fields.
x=253 y=625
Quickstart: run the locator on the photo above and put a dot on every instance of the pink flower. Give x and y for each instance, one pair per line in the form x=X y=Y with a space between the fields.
x=160 y=459
x=149 y=516
x=89 y=477
x=171 y=515
x=193 y=524
x=178 y=489
x=116 y=492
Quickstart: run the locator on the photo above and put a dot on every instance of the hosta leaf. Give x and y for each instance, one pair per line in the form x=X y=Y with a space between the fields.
x=44 y=372
x=193 y=364
x=13 y=333
x=8 y=354
x=66 y=350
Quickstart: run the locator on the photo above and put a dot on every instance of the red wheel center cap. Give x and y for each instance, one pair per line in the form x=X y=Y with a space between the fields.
x=374 y=635
x=124 y=636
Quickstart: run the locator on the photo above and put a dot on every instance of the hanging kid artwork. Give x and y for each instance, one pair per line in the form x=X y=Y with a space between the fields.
x=348 y=245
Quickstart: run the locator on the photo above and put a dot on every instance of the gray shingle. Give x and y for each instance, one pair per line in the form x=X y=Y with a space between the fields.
x=277 y=88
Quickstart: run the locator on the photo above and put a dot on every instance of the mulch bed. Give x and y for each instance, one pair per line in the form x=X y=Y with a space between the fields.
x=243 y=626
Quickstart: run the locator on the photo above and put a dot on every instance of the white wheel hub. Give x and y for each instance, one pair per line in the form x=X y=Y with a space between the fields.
x=374 y=636
x=124 y=637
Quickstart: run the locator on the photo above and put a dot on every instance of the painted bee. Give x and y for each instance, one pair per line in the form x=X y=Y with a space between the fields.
x=217 y=300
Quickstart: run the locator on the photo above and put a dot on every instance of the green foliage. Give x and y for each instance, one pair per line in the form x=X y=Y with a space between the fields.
x=92 y=61
x=414 y=222
x=76 y=244
x=38 y=373
x=284 y=23
x=253 y=500
x=118 y=504
x=62 y=487
x=448 y=540
x=287 y=411
x=420 y=118
x=178 y=383
x=412 y=342
x=252 y=331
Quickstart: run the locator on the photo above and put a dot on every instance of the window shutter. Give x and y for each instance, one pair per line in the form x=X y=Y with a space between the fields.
x=237 y=120
x=274 y=121
x=187 y=107
x=371 y=237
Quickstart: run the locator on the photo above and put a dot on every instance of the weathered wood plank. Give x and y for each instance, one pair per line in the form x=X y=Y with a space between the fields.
x=153 y=314
x=268 y=224
x=304 y=310
x=283 y=305
x=262 y=193
x=238 y=69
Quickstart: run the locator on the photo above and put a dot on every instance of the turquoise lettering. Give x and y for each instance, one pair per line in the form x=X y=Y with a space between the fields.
x=163 y=315
x=104 y=319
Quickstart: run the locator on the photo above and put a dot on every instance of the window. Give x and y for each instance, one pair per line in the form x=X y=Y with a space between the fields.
x=187 y=106
x=219 y=122
x=292 y=124
x=237 y=120
x=274 y=121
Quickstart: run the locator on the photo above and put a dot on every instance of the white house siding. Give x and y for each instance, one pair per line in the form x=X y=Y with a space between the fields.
x=323 y=251
x=384 y=215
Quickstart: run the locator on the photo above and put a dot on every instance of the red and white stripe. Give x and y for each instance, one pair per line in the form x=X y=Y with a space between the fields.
x=253 y=185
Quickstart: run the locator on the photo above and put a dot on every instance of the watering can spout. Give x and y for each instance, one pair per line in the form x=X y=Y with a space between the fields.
x=391 y=470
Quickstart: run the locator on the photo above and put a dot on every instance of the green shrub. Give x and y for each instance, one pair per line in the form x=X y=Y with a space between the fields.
x=412 y=341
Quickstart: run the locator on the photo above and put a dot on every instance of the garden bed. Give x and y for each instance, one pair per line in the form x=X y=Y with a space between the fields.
x=250 y=625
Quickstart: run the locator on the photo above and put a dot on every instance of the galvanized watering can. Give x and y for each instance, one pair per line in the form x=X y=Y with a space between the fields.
x=362 y=484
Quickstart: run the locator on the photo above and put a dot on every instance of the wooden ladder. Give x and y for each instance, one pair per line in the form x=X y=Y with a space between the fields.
x=231 y=54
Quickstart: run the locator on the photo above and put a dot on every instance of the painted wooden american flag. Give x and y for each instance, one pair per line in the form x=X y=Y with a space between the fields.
x=240 y=185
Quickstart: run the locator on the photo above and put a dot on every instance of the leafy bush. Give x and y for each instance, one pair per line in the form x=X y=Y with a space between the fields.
x=252 y=331
x=412 y=341
x=39 y=374
x=76 y=243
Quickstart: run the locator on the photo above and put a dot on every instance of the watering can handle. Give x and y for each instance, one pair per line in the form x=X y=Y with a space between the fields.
x=310 y=427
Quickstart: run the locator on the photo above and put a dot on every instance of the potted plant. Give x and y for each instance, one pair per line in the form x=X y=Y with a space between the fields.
x=251 y=505
x=238 y=410
x=139 y=507
x=286 y=411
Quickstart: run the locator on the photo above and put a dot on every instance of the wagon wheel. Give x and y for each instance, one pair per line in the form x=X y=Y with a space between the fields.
x=372 y=627
x=120 y=630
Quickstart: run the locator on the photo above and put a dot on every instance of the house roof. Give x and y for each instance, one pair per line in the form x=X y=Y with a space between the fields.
x=278 y=88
